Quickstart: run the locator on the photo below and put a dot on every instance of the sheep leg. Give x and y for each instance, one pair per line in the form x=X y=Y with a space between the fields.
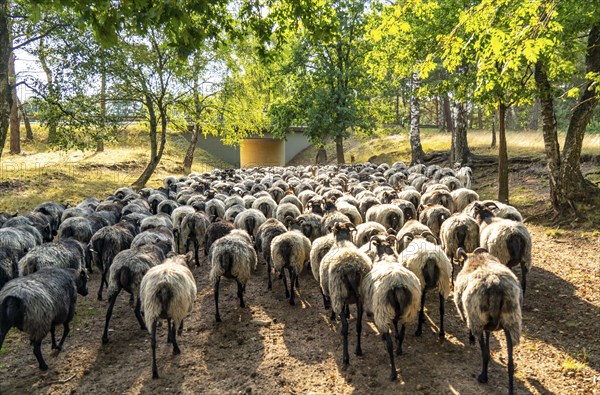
x=511 y=365
x=293 y=279
x=240 y=294
x=297 y=283
x=102 y=281
x=452 y=264
x=111 y=304
x=3 y=334
x=332 y=316
x=485 y=356
x=284 y=279
x=326 y=301
x=216 y=292
x=346 y=357
x=66 y=331
x=270 y=283
x=471 y=338
x=180 y=330
x=37 y=351
x=359 y=315
x=138 y=314
x=53 y=336
x=419 y=331
x=399 y=337
x=390 y=349
x=442 y=333
x=523 y=277
x=176 y=350
x=169 y=333
x=153 y=345
x=197 y=252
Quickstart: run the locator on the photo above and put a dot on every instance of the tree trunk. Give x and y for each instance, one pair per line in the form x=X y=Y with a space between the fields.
x=438 y=117
x=15 y=124
x=502 y=155
x=5 y=94
x=189 y=154
x=100 y=141
x=460 y=147
x=339 y=150
x=515 y=119
x=52 y=125
x=549 y=131
x=535 y=113
x=449 y=123
x=397 y=119
x=25 y=116
x=416 y=149
x=575 y=186
x=493 y=145
x=155 y=154
x=479 y=118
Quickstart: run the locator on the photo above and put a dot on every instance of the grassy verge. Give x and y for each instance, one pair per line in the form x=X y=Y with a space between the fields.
x=40 y=174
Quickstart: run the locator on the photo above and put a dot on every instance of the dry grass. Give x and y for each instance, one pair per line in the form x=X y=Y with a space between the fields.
x=40 y=174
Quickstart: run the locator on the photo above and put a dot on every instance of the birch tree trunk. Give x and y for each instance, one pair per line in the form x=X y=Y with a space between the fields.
x=416 y=149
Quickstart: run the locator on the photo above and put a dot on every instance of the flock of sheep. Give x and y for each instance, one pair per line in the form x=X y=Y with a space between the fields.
x=375 y=236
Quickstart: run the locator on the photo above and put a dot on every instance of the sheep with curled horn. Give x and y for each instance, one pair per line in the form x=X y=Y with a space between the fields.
x=488 y=297
x=432 y=267
x=507 y=240
x=341 y=273
x=391 y=295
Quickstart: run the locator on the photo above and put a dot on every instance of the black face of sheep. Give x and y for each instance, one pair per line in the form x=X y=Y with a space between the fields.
x=383 y=244
x=82 y=283
x=343 y=231
x=483 y=213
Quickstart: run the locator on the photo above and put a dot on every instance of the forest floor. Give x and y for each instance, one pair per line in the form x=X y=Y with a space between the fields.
x=270 y=347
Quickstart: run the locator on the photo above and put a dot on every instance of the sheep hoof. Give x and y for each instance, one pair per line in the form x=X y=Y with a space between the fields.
x=154 y=375
x=104 y=339
x=394 y=376
x=472 y=340
x=176 y=351
x=242 y=305
x=43 y=367
x=218 y=318
x=419 y=332
x=442 y=335
x=482 y=378
x=99 y=297
x=358 y=352
x=292 y=302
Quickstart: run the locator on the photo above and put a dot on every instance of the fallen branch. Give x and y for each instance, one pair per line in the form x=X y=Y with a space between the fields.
x=65 y=380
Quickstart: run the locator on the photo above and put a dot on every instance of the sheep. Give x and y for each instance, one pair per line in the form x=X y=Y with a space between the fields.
x=106 y=244
x=17 y=239
x=365 y=231
x=65 y=254
x=9 y=264
x=341 y=273
x=35 y=304
x=128 y=268
x=266 y=205
x=310 y=225
x=286 y=209
x=79 y=228
x=463 y=197
x=177 y=217
x=433 y=216
x=293 y=200
x=432 y=267
x=214 y=232
x=154 y=221
x=459 y=231
x=233 y=212
x=193 y=232
x=389 y=215
x=451 y=182
x=438 y=196
x=408 y=209
x=319 y=248
x=465 y=175
x=167 y=291
x=232 y=256
x=350 y=211
x=365 y=203
x=330 y=219
x=290 y=251
x=250 y=220
x=53 y=211
x=488 y=297
x=507 y=240
x=412 y=195
x=391 y=294
x=166 y=207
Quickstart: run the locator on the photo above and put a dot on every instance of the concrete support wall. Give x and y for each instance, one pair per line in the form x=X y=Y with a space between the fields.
x=262 y=152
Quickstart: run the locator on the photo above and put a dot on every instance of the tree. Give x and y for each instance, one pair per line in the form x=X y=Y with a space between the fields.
x=324 y=85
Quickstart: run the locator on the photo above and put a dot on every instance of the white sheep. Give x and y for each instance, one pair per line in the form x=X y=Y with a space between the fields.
x=232 y=256
x=290 y=251
x=391 y=294
x=432 y=267
x=167 y=291
x=488 y=297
